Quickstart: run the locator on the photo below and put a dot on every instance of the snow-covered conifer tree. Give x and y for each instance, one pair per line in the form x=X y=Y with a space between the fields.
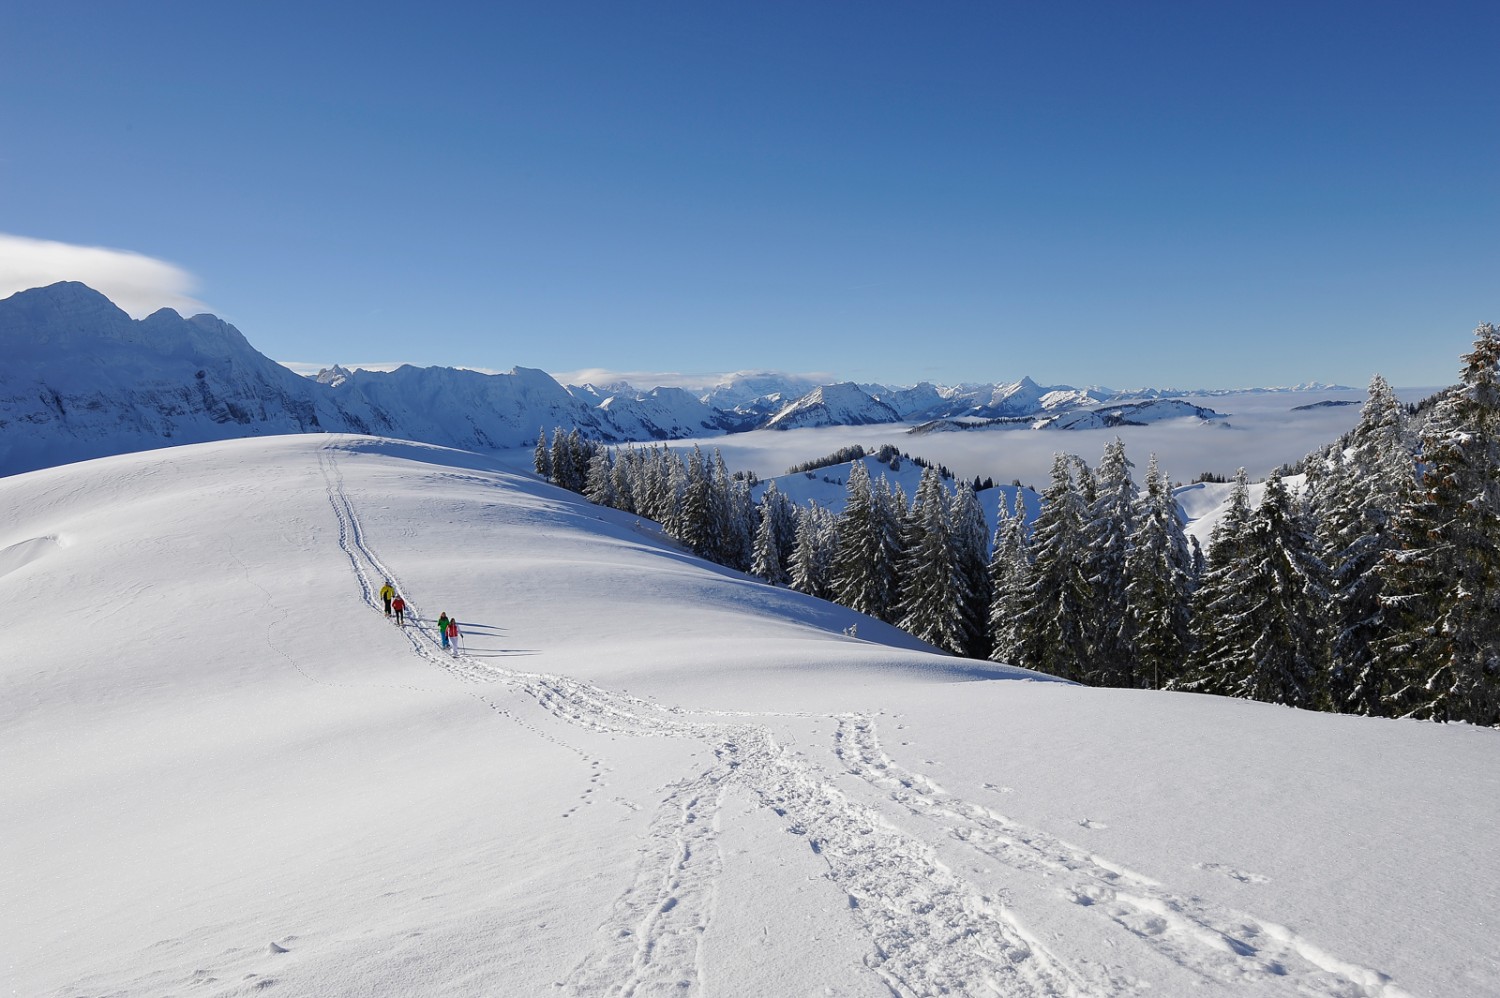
x=971 y=550
x=599 y=483
x=626 y=475
x=542 y=459
x=1054 y=639
x=1355 y=491
x=673 y=496
x=766 y=561
x=932 y=588
x=582 y=449
x=864 y=570
x=1159 y=573
x=742 y=519
x=783 y=523
x=1218 y=608
x=814 y=552
x=1010 y=577
x=561 y=460
x=1442 y=586
x=1110 y=524
x=1270 y=643
x=697 y=511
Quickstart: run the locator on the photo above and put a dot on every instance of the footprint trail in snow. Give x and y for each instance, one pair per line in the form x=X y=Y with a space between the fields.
x=931 y=932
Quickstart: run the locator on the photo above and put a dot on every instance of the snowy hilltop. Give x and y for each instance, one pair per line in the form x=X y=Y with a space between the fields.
x=638 y=773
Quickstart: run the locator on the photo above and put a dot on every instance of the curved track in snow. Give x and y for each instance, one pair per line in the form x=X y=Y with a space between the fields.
x=930 y=931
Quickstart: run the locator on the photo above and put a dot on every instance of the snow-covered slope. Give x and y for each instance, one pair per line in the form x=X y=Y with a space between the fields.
x=226 y=773
x=908 y=403
x=465 y=409
x=833 y=405
x=663 y=414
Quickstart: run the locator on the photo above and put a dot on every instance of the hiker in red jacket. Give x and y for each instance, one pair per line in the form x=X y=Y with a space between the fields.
x=399 y=605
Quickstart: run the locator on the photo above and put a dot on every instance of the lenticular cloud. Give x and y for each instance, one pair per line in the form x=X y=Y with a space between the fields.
x=139 y=284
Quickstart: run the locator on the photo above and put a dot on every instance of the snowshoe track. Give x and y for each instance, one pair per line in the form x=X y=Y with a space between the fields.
x=1217 y=943
x=931 y=932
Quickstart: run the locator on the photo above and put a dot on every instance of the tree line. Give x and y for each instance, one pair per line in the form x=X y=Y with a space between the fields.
x=1373 y=587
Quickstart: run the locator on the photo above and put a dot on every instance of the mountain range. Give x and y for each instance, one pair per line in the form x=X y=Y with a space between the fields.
x=86 y=380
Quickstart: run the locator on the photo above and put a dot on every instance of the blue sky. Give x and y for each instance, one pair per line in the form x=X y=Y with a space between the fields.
x=1173 y=194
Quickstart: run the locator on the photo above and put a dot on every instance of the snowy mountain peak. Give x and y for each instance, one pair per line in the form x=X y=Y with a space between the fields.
x=60 y=312
x=843 y=404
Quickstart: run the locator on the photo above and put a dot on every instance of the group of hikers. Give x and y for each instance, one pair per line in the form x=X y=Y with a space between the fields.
x=395 y=606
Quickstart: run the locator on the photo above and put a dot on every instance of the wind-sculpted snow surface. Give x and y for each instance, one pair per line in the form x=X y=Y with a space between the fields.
x=930 y=931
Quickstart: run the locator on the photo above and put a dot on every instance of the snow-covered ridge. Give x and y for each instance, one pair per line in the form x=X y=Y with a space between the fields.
x=833 y=405
x=1099 y=418
x=85 y=380
x=662 y=776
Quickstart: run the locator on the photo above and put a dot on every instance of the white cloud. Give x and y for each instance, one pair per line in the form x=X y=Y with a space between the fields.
x=137 y=283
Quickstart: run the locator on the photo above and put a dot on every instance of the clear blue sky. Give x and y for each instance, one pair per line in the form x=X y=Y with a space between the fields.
x=1176 y=194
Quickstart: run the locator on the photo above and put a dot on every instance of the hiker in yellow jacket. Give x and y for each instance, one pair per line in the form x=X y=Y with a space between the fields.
x=387 y=594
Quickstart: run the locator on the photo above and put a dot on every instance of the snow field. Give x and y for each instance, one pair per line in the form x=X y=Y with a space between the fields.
x=641 y=775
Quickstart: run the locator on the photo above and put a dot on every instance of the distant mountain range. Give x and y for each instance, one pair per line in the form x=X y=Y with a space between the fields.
x=82 y=379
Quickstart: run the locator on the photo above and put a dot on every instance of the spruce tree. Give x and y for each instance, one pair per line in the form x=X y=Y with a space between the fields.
x=599 y=483
x=1356 y=490
x=561 y=459
x=740 y=511
x=767 y=559
x=1053 y=622
x=891 y=511
x=580 y=451
x=1159 y=573
x=626 y=475
x=971 y=548
x=864 y=569
x=672 y=508
x=1269 y=634
x=1010 y=580
x=932 y=588
x=1442 y=585
x=814 y=552
x=542 y=459
x=695 y=523
x=1218 y=608
x=1110 y=524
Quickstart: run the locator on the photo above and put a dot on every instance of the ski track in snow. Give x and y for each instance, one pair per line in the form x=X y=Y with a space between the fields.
x=931 y=932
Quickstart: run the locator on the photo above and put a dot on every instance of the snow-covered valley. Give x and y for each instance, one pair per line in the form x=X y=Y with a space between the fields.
x=226 y=773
